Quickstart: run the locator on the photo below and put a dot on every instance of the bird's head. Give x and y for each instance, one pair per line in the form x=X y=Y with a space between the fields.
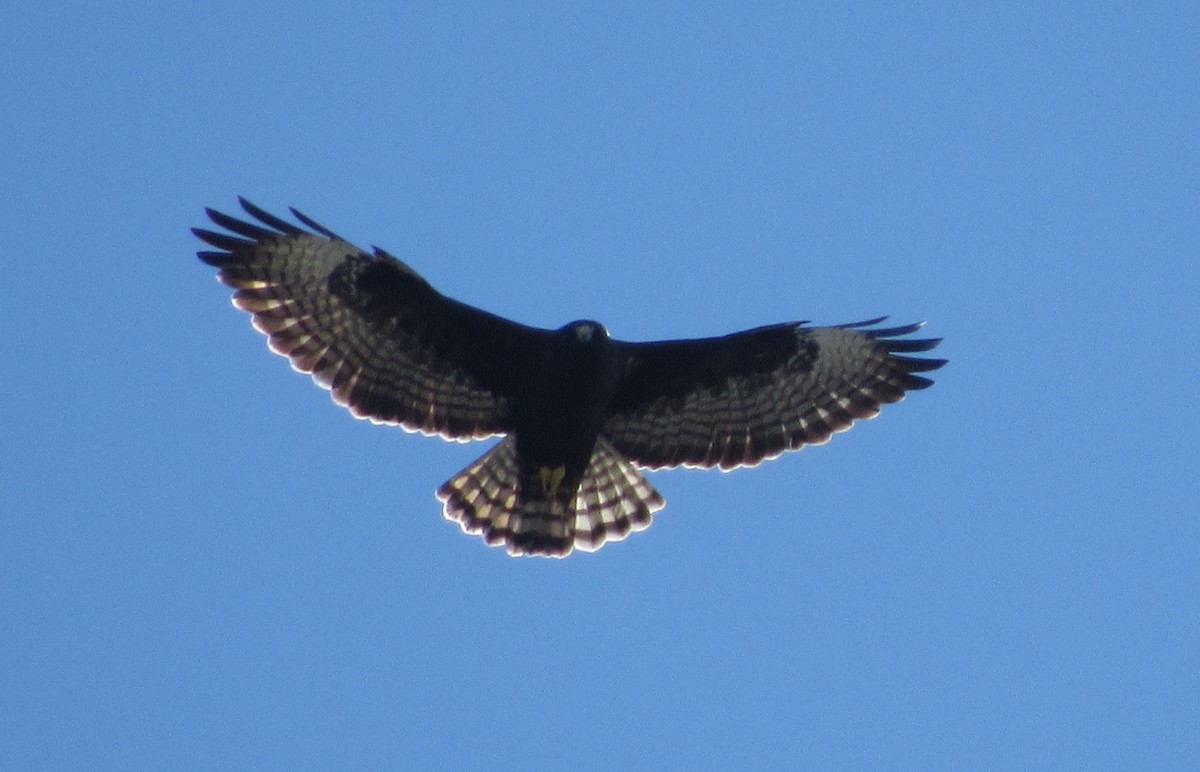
x=585 y=332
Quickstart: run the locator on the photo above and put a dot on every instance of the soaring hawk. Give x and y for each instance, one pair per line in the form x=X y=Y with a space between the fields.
x=580 y=411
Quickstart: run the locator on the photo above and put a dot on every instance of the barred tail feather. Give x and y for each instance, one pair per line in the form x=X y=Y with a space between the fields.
x=488 y=498
x=614 y=499
x=482 y=497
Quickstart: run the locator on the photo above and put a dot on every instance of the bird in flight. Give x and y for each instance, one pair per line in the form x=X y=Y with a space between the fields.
x=581 y=413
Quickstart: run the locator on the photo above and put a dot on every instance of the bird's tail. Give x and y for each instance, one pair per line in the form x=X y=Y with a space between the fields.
x=490 y=498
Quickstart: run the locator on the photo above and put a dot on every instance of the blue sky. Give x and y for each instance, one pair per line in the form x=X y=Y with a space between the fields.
x=205 y=563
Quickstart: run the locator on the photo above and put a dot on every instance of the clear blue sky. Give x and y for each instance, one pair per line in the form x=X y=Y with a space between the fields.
x=205 y=563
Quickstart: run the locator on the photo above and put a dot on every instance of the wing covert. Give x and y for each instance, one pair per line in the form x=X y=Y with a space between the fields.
x=744 y=398
x=369 y=328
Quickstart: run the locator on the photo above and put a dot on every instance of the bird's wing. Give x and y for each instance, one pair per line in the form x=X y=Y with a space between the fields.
x=737 y=400
x=368 y=328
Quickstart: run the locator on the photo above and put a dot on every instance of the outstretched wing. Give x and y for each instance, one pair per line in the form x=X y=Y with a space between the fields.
x=368 y=328
x=737 y=400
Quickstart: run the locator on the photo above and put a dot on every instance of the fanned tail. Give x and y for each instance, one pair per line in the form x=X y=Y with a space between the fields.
x=489 y=498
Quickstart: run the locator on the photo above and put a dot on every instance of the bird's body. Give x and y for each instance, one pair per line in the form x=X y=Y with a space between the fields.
x=581 y=411
x=559 y=413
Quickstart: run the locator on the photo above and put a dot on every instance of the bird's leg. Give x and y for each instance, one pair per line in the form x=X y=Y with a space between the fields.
x=551 y=479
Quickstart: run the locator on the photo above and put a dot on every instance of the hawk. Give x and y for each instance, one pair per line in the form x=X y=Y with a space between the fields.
x=581 y=413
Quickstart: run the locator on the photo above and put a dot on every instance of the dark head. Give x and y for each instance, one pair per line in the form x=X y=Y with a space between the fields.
x=585 y=332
